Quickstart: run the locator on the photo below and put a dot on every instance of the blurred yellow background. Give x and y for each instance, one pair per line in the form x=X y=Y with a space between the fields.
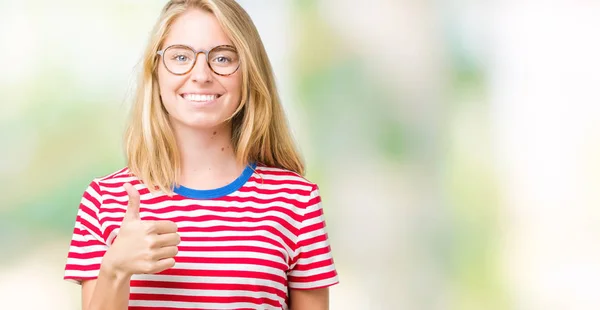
x=456 y=143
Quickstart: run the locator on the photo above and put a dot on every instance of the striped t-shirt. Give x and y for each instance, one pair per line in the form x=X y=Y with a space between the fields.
x=242 y=245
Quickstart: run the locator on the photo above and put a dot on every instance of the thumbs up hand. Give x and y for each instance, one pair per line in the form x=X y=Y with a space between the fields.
x=133 y=205
x=142 y=246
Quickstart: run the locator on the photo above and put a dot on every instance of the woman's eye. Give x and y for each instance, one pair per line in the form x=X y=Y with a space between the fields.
x=222 y=59
x=180 y=58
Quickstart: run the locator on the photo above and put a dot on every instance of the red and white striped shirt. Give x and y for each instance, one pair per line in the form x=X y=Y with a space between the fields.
x=242 y=245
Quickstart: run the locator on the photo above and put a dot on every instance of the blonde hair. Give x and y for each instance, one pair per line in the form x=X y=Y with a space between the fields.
x=260 y=131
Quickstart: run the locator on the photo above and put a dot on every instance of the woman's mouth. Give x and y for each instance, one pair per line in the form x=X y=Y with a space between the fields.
x=200 y=99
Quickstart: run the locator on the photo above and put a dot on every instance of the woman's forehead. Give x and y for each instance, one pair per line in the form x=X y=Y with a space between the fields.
x=198 y=29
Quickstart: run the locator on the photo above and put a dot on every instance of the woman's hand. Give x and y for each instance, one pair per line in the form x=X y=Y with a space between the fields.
x=141 y=247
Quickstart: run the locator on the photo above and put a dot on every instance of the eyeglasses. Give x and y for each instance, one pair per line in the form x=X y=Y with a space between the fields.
x=180 y=59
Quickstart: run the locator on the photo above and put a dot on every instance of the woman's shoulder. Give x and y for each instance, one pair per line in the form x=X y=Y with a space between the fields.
x=283 y=176
x=109 y=187
x=116 y=178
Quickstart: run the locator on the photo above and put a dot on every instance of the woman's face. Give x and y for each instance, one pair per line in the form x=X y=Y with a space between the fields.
x=199 y=99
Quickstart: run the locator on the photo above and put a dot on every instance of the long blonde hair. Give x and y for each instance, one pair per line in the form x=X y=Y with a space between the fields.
x=260 y=131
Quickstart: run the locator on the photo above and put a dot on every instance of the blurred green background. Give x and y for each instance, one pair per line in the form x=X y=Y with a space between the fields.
x=455 y=143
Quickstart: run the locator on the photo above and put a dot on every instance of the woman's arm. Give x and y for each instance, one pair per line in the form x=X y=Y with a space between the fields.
x=317 y=299
x=109 y=291
x=141 y=247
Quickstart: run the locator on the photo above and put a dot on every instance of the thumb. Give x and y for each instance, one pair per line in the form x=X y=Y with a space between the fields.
x=133 y=206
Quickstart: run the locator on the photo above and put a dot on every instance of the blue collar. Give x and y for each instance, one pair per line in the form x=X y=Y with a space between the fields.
x=217 y=192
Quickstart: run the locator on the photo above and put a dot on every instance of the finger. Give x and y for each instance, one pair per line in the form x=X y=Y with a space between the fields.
x=163 y=227
x=133 y=206
x=165 y=252
x=166 y=240
x=162 y=265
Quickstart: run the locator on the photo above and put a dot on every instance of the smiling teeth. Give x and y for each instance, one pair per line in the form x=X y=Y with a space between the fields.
x=199 y=98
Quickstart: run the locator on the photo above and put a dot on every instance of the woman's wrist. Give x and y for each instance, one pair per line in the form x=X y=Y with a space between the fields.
x=109 y=268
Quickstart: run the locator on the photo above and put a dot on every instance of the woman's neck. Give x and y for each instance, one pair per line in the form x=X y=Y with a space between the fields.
x=208 y=159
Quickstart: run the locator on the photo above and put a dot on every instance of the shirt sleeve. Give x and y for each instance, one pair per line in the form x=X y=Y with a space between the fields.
x=312 y=267
x=87 y=245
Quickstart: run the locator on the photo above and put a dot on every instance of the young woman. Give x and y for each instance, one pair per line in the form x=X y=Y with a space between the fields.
x=212 y=211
